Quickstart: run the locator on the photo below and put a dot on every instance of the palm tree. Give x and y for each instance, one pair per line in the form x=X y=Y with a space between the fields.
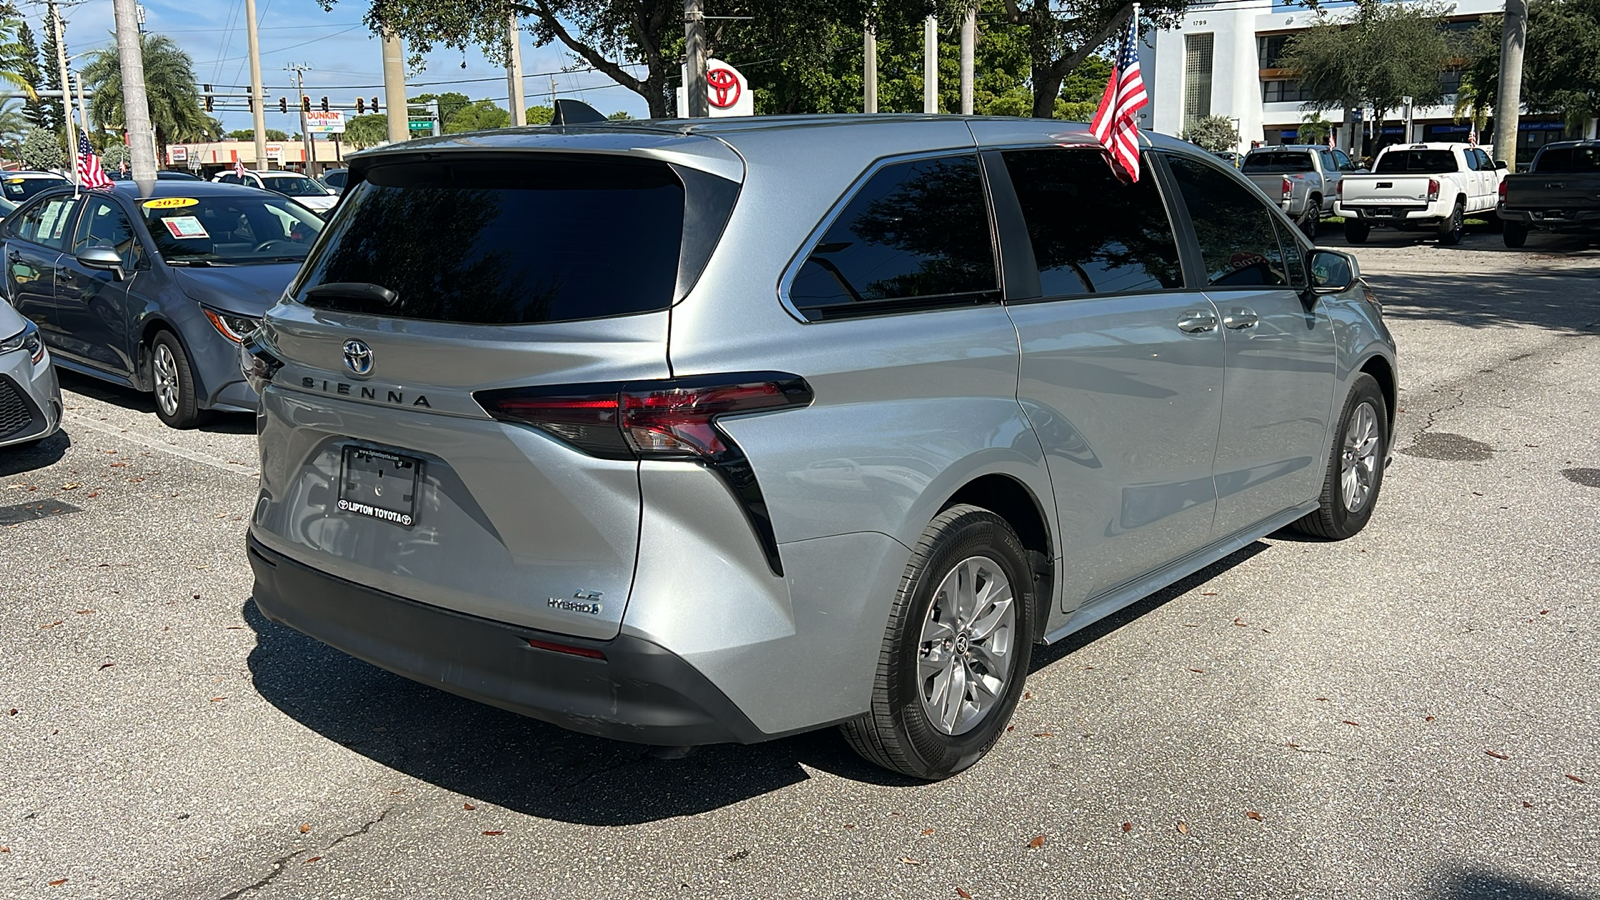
x=13 y=126
x=13 y=55
x=169 y=84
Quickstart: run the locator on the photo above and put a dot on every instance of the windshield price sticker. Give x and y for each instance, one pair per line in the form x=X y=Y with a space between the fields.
x=185 y=227
x=171 y=203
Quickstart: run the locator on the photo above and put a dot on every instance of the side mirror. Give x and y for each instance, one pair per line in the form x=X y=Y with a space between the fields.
x=1500 y=164
x=103 y=258
x=1332 y=271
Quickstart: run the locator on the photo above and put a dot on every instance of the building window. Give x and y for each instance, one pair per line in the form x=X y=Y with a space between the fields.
x=1197 y=52
x=1450 y=81
x=1283 y=91
x=1270 y=48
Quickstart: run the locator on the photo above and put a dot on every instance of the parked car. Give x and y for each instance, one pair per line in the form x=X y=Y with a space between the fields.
x=155 y=292
x=30 y=399
x=161 y=175
x=306 y=191
x=6 y=208
x=695 y=432
x=1303 y=178
x=19 y=186
x=1560 y=192
x=335 y=179
x=1421 y=186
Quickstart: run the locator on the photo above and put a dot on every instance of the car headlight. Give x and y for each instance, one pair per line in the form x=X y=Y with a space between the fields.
x=233 y=327
x=26 y=339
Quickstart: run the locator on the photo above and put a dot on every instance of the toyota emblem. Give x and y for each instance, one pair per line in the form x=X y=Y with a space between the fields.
x=358 y=357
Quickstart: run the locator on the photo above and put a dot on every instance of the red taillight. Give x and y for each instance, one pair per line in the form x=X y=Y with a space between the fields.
x=674 y=418
x=1338 y=190
x=585 y=652
x=1288 y=189
x=1433 y=189
x=1502 y=192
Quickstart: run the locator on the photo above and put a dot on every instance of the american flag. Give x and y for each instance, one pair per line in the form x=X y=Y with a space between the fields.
x=238 y=167
x=1113 y=124
x=90 y=175
x=1331 y=144
x=1472 y=136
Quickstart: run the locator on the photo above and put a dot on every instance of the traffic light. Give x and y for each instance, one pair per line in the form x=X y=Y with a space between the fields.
x=374 y=105
x=324 y=104
x=283 y=104
x=361 y=105
x=305 y=104
x=208 y=96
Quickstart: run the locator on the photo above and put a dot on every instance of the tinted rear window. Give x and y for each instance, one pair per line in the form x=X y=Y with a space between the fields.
x=1417 y=162
x=1568 y=159
x=505 y=242
x=1276 y=162
x=20 y=189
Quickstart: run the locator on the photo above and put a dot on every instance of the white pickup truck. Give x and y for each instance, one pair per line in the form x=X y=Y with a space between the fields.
x=1418 y=186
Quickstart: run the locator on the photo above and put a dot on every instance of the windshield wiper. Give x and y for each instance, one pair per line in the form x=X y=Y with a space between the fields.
x=355 y=290
x=203 y=263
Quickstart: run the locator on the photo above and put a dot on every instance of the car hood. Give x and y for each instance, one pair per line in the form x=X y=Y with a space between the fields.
x=246 y=290
x=11 y=321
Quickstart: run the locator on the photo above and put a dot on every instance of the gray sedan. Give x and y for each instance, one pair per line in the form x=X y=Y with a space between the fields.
x=30 y=401
x=156 y=292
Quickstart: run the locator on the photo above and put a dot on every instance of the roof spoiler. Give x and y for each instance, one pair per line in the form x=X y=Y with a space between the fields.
x=575 y=112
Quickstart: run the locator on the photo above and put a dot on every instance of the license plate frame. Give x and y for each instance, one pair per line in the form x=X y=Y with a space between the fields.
x=1382 y=212
x=379 y=484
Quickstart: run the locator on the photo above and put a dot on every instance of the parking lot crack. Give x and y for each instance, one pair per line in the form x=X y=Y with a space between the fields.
x=279 y=864
x=1427 y=426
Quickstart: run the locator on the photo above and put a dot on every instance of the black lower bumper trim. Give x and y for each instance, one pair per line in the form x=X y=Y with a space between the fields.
x=639 y=692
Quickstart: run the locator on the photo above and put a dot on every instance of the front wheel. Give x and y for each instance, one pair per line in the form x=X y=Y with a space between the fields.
x=1355 y=467
x=1515 y=234
x=956 y=650
x=1356 y=231
x=172 y=382
x=1452 y=229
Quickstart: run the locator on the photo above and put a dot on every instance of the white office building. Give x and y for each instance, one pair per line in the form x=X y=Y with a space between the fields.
x=1223 y=60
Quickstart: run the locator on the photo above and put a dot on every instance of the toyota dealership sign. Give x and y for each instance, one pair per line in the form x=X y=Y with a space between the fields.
x=726 y=91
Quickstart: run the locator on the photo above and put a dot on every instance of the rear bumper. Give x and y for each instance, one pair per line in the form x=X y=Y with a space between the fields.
x=1567 y=220
x=638 y=692
x=1398 y=216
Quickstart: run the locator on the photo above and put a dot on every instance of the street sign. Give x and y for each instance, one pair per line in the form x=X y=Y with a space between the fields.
x=420 y=125
x=329 y=122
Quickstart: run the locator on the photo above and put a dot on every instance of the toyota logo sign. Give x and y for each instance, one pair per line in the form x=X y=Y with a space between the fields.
x=358 y=357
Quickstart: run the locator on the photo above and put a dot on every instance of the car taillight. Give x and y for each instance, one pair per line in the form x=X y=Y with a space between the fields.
x=1502 y=192
x=1433 y=189
x=1288 y=189
x=257 y=363
x=673 y=418
x=1338 y=189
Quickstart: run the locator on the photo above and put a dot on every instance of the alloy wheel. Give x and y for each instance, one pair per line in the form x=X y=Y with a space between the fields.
x=166 y=380
x=1358 y=464
x=965 y=658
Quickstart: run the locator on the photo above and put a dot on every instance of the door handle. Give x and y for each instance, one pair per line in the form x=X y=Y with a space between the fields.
x=1197 y=321
x=1240 y=318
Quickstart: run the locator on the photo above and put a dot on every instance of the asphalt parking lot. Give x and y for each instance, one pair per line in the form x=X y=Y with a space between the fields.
x=1412 y=713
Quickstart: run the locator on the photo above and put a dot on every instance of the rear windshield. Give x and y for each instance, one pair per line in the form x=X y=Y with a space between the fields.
x=1568 y=159
x=1276 y=162
x=19 y=189
x=504 y=243
x=1416 y=162
x=295 y=186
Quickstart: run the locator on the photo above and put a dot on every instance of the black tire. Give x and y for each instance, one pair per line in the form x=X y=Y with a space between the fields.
x=1335 y=519
x=169 y=370
x=1515 y=234
x=1310 y=219
x=1452 y=229
x=1356 y=231
x=898 y=733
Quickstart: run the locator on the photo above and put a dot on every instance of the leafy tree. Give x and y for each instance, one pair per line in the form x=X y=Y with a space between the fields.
x=1373 y=56
x=41 y=149
x=449 y=103
x=1214 y=134
x=481 y=115
x=1560 y=67
x=1313 y=129
x=13 y=126
x=175 y=109
x=540 y=115
x=249 y=134
x=1061 y=34
x=114 y=154
x=28 y=67
x=367 y=131
x=620 y=116
x=50 y=74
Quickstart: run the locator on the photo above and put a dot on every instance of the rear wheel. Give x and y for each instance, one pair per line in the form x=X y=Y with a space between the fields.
x=956 y=650
x=1356 y=231
x=1515 y=234
x=1310 y=219
x=1451 y=229
x=1355 y=468
x=172 y=382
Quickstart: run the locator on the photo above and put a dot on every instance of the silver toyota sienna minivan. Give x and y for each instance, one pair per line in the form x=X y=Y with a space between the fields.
x=694 y=432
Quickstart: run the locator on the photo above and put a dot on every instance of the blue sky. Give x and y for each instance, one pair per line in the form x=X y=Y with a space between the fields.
x=345 y=58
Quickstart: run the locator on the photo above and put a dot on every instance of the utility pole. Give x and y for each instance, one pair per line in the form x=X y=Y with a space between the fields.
x=519 y=104
x=135 y=104
x=299 y=70
x=930 y=65
x=258 y=98
x=1508 y=102
x=694 y=82
x=969 y=41
x=869 y=75
x=66 y=86
x=83 y=108
x=394 y=85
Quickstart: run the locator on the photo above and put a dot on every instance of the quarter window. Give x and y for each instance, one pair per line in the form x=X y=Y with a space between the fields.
x=47 y=223
x=1235 y=230
x=917 y=233
x=1091 y=233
